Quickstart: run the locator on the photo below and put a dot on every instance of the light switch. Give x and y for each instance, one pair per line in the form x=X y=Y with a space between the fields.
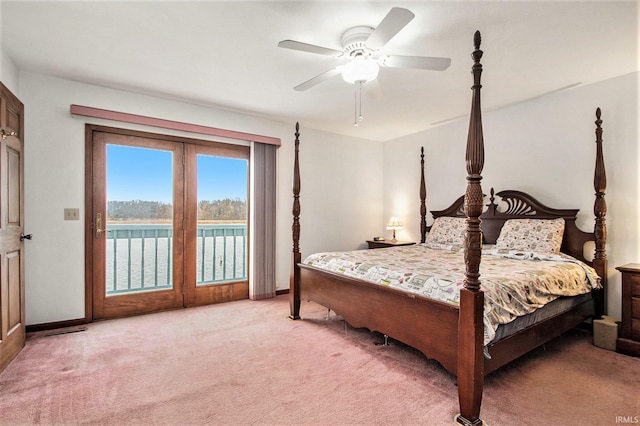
x=71 y=214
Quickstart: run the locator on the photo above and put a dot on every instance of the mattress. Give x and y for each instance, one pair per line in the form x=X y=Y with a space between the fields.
x=554 y=308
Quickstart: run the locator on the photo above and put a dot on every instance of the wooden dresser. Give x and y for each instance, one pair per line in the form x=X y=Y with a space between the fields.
x=629 y=340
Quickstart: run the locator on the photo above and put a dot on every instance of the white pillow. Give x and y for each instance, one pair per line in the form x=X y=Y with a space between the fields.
x=538 y=235
x=446 y=232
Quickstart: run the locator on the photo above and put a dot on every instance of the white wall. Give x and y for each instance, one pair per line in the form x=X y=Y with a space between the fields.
x=54 y=180
x=341 y=195
x=9 y=74
x=544 y=147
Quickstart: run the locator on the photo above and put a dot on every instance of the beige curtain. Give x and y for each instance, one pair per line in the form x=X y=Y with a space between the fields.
x=262 y=281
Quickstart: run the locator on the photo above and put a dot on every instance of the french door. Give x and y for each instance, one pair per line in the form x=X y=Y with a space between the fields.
x=156 y=238
x=136 y=256
x=216 y=250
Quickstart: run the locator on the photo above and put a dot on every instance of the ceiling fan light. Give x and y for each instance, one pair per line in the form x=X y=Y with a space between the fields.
x=360 y=69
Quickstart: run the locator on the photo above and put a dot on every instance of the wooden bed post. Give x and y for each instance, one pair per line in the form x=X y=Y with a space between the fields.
x=470 y=369
x=423 y=197
x=296 y=258
x=600 y=211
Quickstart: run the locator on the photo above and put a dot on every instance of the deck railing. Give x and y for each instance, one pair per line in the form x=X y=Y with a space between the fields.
x=139 y=256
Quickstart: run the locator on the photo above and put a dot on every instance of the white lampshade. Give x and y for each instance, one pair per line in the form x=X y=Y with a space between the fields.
x=360 y=69
x=394 y=224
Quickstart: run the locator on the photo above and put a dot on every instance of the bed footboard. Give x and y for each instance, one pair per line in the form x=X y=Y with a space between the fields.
x=427 y=325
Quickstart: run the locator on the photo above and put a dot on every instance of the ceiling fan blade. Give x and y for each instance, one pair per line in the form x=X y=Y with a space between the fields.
x=316 y=80
x=396 y=19
x=311 y=48
x=416 y=62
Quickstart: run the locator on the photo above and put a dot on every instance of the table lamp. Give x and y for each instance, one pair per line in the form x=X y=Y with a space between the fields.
x=393 y=225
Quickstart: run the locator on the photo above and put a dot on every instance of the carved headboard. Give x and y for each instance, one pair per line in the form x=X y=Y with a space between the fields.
x=519 y=205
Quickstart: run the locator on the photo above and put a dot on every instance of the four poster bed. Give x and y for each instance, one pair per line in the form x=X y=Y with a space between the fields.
x=455 y=321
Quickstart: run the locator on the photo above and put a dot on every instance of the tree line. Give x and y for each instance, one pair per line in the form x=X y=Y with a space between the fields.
x=226 y=209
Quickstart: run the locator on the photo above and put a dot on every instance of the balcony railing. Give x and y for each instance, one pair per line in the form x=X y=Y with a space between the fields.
x=139 y=256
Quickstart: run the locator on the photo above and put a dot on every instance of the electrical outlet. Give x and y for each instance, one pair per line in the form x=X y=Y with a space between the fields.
x=71 y=214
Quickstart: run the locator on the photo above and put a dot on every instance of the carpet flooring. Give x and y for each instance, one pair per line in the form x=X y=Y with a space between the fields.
x=245 y=363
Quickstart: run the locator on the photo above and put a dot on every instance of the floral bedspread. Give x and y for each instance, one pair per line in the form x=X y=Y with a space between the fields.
x=515 y=283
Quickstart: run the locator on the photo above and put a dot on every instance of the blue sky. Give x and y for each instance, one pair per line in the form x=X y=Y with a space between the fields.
x=146 y=174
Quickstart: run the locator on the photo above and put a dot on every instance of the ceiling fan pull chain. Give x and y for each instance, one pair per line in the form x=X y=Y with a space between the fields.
x=355 y=106
x=360 y=83
x=357 y=113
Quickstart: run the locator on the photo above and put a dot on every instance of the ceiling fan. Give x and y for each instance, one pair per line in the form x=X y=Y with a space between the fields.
x=362 y=46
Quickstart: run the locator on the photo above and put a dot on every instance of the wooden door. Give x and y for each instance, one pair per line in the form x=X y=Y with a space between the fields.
x=12 y=315
x=216 y=249
x=136 y=239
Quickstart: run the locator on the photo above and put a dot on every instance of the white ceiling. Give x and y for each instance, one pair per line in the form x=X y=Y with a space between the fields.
x=224 y=54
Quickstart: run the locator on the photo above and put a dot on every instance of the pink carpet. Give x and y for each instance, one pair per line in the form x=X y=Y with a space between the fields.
x=244 y=363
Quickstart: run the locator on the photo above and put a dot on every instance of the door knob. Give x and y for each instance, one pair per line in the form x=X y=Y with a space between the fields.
x=6 y=134
x=99 y=229
x=25 y=237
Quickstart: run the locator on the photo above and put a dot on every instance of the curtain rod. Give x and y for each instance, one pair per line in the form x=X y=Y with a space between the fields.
x=169 y=124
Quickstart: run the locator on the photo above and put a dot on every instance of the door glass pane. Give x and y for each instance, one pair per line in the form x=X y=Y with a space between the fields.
x=139 y=219
x=222 y=220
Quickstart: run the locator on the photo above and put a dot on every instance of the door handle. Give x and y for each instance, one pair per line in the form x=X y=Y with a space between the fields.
x=99 y=229
x=25 y=237
x=6 y=134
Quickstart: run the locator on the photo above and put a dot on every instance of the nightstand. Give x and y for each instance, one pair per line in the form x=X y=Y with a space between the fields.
x=629 y=340
x=388 y=243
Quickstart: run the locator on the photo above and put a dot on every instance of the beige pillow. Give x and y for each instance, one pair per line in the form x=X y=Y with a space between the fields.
x=539 y=235
x=446 y=231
